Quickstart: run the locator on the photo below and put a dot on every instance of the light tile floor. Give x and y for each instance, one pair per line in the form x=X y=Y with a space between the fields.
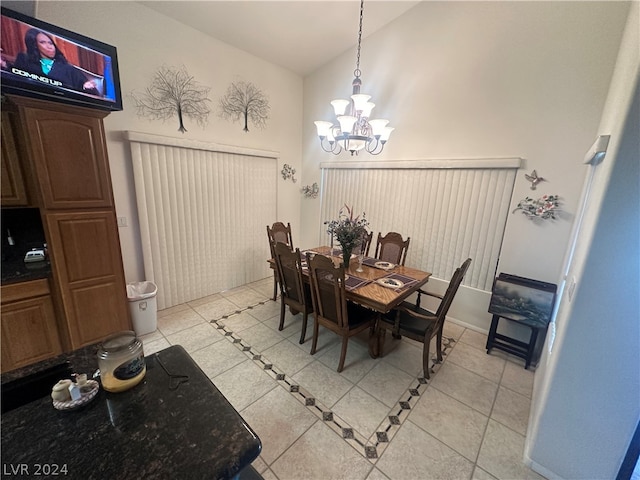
x=378 y=419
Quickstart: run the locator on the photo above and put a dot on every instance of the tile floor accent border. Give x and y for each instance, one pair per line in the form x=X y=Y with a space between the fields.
x=371 y=448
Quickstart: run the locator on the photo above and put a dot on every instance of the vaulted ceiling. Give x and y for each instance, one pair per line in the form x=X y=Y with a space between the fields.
x=298 y=35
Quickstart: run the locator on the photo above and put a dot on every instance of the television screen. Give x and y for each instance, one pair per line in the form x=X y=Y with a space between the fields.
x=42 y=60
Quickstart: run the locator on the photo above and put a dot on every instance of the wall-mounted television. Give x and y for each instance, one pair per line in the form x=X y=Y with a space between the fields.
x=45 y=61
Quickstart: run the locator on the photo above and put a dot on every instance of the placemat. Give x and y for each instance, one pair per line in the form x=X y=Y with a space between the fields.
x=352 y=282
x=371 y=262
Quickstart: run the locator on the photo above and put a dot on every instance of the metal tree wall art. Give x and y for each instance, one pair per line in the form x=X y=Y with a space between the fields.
x=245 y=101
x=173 y=91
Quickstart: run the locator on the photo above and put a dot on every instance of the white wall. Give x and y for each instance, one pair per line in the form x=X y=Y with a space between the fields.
x=586 y=401
x=147 y=40
x=483 y=79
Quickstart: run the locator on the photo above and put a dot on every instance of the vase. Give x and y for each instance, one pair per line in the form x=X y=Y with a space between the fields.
x=346 y=257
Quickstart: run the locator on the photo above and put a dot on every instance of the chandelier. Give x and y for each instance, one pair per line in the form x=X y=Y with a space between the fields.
x=354 y=131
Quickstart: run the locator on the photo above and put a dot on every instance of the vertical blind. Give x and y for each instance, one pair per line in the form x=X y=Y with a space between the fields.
x=202 y=215
x=449 y=213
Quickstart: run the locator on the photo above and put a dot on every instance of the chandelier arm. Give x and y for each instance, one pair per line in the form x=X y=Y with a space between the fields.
x=330 y=147
x=377 y=144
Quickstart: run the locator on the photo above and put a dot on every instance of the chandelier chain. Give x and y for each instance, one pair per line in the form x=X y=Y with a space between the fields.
x=357 y=70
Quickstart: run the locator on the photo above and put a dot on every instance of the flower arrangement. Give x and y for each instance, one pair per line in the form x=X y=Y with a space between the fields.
x=348 y=231
x=544 y=207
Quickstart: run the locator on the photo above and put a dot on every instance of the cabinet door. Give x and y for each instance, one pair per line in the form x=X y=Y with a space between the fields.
x=88 y=274
x=69 y=156
x=13 y=191
x=29 y=332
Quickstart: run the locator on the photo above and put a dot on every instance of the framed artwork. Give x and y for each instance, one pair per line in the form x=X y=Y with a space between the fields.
x=522 y=299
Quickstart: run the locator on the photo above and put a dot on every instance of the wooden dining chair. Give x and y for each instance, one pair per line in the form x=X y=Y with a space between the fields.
x=392 y=248
x=278 y=232
x=421 y=325
x=364 y=246
x=331 y=309
x=294 y=293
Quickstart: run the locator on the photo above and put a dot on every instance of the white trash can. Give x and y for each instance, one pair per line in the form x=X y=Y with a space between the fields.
x=143 y=306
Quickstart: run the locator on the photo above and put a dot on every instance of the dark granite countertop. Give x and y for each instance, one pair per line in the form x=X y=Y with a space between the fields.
x=14 y=269
x=153 y=430
x=82 y=360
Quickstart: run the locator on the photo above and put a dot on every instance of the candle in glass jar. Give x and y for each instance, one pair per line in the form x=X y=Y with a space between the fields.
x=121 y=361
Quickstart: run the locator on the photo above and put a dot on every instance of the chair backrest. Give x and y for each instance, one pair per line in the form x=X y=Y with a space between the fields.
x=365 y=245
x=449 y=295
x=327 y=290
x=289 y=268
x=279 y=232
x=392 y=248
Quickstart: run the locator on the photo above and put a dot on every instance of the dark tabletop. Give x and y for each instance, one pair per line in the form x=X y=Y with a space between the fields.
x=160 y=428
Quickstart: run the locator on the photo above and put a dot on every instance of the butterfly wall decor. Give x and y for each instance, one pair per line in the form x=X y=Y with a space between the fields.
x=534 y=179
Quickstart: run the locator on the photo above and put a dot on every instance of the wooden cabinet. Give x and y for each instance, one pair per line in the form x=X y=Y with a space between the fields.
x=85 y=249
x=14 y=192
x=67 y=166
x=68 y=154
x=28 y=324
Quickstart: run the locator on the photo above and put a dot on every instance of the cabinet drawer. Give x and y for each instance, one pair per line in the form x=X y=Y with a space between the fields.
x=24 y=290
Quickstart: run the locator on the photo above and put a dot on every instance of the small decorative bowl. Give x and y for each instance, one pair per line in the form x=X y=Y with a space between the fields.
x=92 y=387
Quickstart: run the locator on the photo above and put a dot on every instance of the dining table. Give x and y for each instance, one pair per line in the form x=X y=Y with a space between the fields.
x=379 y=286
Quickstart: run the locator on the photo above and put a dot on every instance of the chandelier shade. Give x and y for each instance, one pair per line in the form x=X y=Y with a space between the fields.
x=340 y=106
x=353 y=131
